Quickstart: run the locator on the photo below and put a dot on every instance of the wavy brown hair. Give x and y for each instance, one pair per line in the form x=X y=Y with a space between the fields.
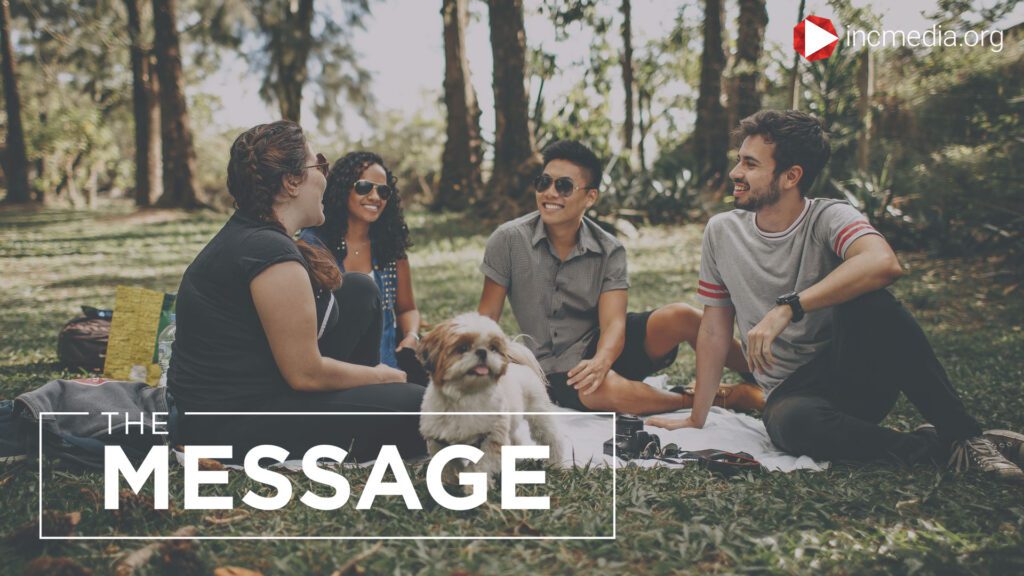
x=389 y=235
x=260 y=158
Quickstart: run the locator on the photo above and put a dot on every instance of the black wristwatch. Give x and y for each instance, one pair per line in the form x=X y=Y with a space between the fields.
x=793 y=301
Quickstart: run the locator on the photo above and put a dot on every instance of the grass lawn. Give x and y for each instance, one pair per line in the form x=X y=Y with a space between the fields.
x=847 y=520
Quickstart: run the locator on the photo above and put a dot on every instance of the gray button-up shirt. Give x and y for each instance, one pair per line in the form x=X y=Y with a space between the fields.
x=555 y=301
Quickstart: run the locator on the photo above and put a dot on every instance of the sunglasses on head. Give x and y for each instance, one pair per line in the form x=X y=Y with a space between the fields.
x=321 y=164
x=565 y=186
x=364 y=187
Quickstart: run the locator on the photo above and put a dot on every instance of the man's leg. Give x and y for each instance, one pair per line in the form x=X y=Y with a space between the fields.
x=673 y=324
x=670 y=325
x=802 y=416
x=619 y=394
x=881 y=347
x=812 y=425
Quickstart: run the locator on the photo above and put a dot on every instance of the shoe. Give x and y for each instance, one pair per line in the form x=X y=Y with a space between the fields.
x=1010 y=444
x=980 y=453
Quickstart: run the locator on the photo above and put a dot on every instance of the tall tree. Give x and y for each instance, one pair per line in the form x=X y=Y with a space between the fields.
x=515 y=155
x=749 y=46
x=627 y=80
x=16 y=168
x=711 y=133
x=146 y=113
x=179 y=157
x=289 y=29
x=461 y=179
x=794 y=75
x=295 y=39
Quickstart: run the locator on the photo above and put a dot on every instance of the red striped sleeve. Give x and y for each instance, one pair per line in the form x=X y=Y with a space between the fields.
x=710 y=290
x=839 y=246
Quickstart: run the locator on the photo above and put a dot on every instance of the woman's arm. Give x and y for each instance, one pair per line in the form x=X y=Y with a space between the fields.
x=408 y=316
x=284 y=301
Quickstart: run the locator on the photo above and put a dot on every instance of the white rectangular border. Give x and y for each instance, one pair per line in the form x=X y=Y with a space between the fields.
x=614 y=482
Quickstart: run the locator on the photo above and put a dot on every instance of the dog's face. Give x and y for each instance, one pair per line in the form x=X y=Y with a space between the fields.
x=465 y=354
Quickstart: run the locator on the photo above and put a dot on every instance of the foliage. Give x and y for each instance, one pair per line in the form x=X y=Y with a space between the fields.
x=850 y=519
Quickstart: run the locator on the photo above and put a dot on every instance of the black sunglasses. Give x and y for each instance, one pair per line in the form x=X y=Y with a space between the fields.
x=322 y=165
x=364 y=187
x=564 y=185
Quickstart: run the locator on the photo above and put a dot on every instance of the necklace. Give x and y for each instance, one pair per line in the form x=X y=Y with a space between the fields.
x=343 y=247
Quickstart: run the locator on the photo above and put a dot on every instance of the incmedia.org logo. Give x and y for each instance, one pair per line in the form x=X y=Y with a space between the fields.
x=815 y=38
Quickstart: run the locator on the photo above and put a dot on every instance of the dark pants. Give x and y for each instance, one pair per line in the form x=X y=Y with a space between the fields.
x=356 y=339
x=831 y=407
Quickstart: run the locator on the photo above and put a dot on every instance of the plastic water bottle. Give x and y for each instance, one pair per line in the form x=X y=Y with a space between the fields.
x=163 y=346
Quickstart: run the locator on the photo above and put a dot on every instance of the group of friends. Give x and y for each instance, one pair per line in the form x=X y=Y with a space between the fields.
x=303 y=303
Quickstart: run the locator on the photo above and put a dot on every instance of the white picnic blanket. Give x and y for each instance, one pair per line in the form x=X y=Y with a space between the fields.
x=724 y=430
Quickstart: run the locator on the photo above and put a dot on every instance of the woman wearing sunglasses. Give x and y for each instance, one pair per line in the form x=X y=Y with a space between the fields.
x=267 y=324
x=365 y=231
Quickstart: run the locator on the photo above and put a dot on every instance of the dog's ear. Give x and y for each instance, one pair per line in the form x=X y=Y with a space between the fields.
x=429 y=348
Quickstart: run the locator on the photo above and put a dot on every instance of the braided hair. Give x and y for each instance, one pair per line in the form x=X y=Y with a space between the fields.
x=260 y=158
x=389 y=235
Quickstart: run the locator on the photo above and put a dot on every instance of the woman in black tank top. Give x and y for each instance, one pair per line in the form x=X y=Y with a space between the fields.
x=268 y=324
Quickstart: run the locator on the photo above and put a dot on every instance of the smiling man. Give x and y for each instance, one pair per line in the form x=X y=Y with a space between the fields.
x=805 y=280
x=566 y=280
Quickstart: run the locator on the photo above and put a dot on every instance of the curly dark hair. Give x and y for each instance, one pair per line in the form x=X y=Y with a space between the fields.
x=260 y=157
x=389 y=235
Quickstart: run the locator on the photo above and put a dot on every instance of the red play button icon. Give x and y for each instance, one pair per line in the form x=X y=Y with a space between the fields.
x=815 y=38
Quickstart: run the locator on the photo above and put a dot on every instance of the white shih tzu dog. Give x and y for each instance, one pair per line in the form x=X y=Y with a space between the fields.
x=475 y=367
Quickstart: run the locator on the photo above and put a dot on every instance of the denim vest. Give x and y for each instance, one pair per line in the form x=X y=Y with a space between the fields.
x=386 y=277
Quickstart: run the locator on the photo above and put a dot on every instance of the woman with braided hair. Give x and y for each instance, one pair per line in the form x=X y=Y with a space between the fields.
x=365 y=232
x=269 y=324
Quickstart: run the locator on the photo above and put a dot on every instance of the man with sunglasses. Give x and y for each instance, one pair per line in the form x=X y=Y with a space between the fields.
x=566 y=281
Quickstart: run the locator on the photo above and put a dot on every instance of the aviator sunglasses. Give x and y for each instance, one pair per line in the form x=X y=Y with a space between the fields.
x=364 y=187
x=321 y=164
x=564 y=185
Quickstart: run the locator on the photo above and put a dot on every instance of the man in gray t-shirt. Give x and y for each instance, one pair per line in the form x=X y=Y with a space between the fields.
x=566 y=281
x=805 y=281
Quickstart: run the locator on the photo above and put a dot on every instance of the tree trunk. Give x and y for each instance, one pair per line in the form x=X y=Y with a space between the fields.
x=794 y=76
x=179 y=157
x=291 y=41
x=627 y=81
x=515 y=157
x=749 y=46
x=461 y=179
x=143 y=105
x=156 y=157
x=643 y=101
x=712 y=131
x=865 y=89
x=16 y=168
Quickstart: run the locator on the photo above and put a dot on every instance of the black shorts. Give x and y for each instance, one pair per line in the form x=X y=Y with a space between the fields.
x=632 y=364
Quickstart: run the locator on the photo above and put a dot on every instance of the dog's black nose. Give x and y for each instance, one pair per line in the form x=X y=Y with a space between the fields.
x=481 y=353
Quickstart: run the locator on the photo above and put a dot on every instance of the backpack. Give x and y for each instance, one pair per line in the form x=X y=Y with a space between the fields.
x=82 y=343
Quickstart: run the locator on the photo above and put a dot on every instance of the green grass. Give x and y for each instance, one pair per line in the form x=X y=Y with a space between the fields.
x=864 y=519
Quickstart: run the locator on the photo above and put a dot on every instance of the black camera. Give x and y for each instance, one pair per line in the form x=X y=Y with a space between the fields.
x=631 y=441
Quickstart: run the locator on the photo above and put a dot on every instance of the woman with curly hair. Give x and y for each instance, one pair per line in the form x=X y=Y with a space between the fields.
x=365 y=231
x=267 y=323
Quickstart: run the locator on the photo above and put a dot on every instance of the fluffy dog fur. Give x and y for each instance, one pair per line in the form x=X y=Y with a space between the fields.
x=475 y=367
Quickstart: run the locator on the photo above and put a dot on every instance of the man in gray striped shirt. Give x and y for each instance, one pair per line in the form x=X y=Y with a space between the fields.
x=566 y=281
x=805 y=280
